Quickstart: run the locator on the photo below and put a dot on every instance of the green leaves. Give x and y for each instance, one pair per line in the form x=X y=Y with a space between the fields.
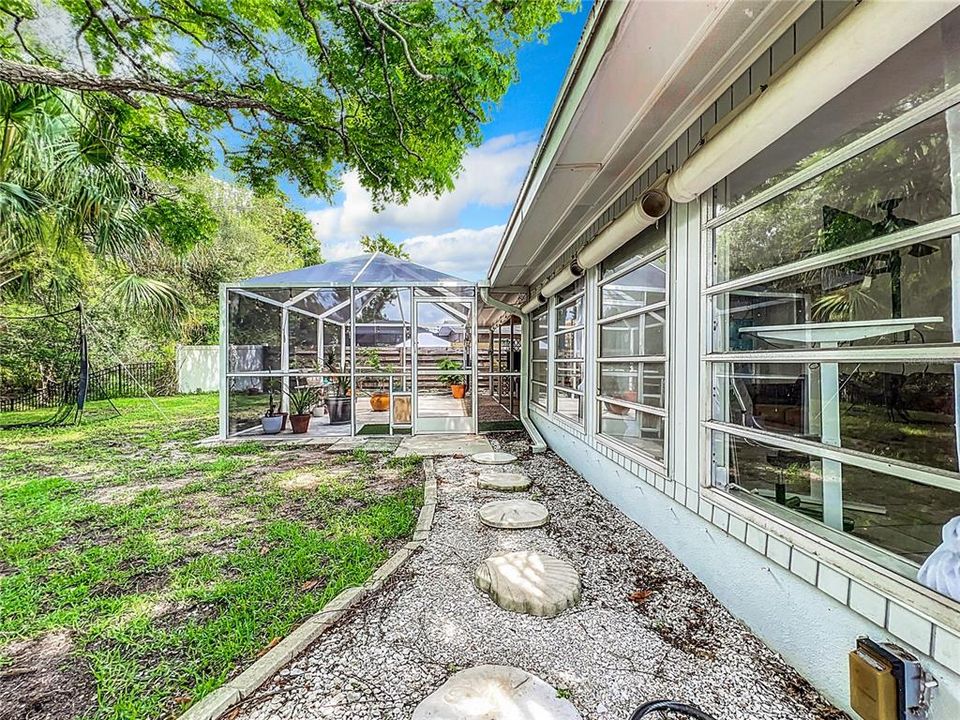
x=306 y=89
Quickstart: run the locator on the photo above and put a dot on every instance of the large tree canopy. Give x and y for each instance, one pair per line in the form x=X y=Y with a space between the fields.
x=396 y=90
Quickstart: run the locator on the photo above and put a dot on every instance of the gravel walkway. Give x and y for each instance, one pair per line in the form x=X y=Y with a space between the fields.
x=646 y=628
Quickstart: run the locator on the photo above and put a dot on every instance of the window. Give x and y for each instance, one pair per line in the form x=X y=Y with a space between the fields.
x=539 y=359
x=568 y=353
x=835 y=351
x=632 y=341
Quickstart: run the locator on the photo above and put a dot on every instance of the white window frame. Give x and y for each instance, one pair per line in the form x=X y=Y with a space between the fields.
x=599 y=399
x=580 y=296
x=544 y=311
x=882 y=568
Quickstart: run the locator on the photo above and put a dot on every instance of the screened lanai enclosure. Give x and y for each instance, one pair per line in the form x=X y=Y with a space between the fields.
x=371 y=344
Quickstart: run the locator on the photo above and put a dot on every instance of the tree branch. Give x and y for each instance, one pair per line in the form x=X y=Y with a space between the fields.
x=15 y=72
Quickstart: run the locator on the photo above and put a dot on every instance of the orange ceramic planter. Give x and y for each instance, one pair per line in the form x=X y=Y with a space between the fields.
x=458 y=391
x=380 y=402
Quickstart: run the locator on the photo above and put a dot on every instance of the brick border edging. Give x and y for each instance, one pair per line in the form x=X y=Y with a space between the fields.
x=222 y=699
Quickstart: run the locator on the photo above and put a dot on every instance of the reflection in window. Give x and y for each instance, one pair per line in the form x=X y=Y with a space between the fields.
x=921 y=70
x=911 y=282
x=902 y=411
x=540 y=359
x=902 y=517
x=899 y=184
x=639 y=430
x=832 y=348
x=631 y=368
x=568 y=353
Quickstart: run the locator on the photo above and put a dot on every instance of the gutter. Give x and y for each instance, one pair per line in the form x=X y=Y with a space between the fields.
x=599 y=30
x=539 y=444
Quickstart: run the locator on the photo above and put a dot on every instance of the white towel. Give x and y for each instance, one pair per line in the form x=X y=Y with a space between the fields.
x=941 y=571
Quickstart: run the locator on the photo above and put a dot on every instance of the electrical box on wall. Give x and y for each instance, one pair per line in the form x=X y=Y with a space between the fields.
x=887 y=682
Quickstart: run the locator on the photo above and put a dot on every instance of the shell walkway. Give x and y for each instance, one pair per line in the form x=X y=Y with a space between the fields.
x=525 y=581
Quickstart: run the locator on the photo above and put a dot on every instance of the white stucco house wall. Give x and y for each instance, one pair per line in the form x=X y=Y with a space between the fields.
x=766 y=377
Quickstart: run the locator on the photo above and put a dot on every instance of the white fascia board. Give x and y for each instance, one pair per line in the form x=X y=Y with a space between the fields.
x=600 y=29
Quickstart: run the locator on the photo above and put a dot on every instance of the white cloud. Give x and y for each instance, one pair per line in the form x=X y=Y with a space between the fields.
x=490 y=178
x=465 y=253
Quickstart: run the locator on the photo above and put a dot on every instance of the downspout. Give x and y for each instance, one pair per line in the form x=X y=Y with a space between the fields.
x=539 y=444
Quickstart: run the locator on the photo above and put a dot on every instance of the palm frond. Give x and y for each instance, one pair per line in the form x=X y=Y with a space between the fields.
x=143 y=294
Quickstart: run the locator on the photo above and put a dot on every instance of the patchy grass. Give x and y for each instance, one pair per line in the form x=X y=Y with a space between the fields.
x=139 y=571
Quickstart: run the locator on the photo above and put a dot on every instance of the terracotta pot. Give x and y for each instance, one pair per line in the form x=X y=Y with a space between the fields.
x=380 y=402
x=458 y=391
x=300 y=423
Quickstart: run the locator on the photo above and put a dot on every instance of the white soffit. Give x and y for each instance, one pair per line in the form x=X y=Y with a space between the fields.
x=665 y=64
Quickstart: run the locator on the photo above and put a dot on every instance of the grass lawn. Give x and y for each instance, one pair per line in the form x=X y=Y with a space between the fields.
x=139 y=571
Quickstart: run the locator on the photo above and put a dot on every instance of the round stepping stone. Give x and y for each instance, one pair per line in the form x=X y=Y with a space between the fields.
x=495 y=692
x=508 y=482
x=514 y=514
x=529 y=582
x=493 y=458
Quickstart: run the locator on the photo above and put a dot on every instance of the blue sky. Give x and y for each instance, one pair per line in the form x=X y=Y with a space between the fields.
x=458 y=232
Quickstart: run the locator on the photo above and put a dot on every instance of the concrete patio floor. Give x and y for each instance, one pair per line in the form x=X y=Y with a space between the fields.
x=645 y=628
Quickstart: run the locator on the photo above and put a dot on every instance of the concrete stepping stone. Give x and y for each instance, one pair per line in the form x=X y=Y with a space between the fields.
x=493 y=458
x=514 y=514
x=507 y=482
x=495 y=692
x=529 y=582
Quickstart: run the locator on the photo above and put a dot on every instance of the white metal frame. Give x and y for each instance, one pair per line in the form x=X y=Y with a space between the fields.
x=555 y=390
x=534 y=339
x=663 y=307
x=713 y=449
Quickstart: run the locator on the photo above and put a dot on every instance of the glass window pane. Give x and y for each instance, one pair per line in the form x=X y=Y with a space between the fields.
x=254 y=334
x=570 y=375
x=900 y=516
x=642 y=431
x=649 y=241
x=540 y=325
x=643 y=383
x=538 y=394
x=570 y=315
x=539 y=373
x=644 y=286
x=919 y=71
x=569 y=405
x=541 y=349
x=910 y=282
x=898 y=184
x=569 y=345
x=635 y=336
x=570 y=290
x=904 y=411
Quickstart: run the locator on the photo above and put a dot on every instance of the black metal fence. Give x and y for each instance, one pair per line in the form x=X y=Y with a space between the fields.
x=134 y=380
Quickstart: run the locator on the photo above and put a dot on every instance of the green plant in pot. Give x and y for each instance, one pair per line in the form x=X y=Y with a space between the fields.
x=455 y=380
x=339 y=401
x=302 y=401
x=379 y=398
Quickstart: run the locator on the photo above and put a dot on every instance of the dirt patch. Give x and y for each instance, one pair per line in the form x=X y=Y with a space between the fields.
x=118 y=494
x=44 y=679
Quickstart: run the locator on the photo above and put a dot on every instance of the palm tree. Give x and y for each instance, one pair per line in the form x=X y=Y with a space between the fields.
x=68 y=197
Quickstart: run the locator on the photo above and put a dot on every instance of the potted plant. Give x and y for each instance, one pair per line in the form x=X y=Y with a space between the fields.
x=454 y=379
x=302 y=401
x=379 y=399
x=272 y=421
x=338 y=391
